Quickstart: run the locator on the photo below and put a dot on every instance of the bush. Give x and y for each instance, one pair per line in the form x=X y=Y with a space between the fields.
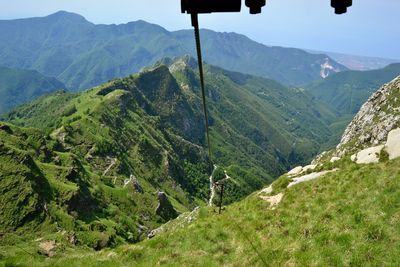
x=281 y=184
x=383 y=156
x=69 y=110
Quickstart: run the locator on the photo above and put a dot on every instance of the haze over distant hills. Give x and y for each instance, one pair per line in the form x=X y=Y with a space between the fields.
x=80 y=54
x=355 y=62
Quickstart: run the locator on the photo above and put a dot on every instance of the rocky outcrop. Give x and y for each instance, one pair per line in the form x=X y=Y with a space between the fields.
x=47 y=248
x=373 y=154
x=135 y=184
x=165 y=209
x=392 y=146
x=376 y=118
x=368 y=155
x=295 y=171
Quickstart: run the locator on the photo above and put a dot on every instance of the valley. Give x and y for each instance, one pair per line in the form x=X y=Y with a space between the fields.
x=104 y=161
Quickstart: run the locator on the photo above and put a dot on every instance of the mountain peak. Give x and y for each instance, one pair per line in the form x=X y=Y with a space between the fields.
x=65 y=15
x=178 y=63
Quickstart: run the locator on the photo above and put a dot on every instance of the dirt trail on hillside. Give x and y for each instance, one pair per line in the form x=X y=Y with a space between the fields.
x=112 y=163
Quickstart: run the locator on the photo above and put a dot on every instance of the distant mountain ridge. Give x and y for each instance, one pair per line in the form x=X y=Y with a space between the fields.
x=345 y=92
x=81 y=54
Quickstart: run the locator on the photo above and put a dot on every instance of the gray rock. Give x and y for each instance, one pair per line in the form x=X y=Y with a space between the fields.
x=368 y=155
x=376 y=118
x=393 y=144
x=295 y=171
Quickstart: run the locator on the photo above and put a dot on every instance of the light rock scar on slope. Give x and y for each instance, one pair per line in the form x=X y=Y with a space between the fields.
x=273 y=200
x=308 y=177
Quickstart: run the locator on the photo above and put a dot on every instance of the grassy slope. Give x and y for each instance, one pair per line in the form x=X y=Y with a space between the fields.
x=20 y=86
x=347 y=218
x=96 y=128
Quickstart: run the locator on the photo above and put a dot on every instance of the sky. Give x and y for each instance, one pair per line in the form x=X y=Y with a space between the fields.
x=370 y=28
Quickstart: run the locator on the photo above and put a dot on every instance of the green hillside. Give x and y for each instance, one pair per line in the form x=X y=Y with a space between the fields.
x=91 y=164
x=20 y=86
x=346 y=218
x=254 y=122
x=345 y=92
x=83 y=55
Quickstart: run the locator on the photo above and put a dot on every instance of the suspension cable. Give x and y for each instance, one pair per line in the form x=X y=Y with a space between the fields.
x=195 y=24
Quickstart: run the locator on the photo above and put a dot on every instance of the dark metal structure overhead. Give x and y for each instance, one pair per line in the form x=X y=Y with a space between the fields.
x=341 y=6
x=211 y=6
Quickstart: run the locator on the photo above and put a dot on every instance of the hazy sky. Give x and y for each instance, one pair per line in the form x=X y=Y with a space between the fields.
x=371 y=27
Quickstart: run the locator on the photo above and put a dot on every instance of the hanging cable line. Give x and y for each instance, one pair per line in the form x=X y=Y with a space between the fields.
x=195 y=24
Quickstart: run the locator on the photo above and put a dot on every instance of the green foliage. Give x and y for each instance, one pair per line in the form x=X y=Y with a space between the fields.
x=21 y=86
x=281 y=184
x=383 y=156
x=197 y=174
x=267 y=130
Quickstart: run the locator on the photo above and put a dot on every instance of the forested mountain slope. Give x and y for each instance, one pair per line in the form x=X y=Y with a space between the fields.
x=81 y=54
x=20 y=86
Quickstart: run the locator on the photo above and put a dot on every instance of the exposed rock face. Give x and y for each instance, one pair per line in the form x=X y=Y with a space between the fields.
x=327 y=68
x=376 y=118
x=47 y=248
x=393 y=144
x=165 y=209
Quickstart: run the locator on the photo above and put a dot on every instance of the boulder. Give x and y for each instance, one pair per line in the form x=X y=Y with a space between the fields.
x=48 y=248
x=295 y=171
x=333 y=159
x=369 y=155
x=308 y=167
x=393 y=144
x=135 y=184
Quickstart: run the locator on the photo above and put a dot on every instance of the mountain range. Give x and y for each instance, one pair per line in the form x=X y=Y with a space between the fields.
x=81 y=54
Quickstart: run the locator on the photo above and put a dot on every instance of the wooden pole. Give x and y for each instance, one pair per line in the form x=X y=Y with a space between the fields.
x=221 y=194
